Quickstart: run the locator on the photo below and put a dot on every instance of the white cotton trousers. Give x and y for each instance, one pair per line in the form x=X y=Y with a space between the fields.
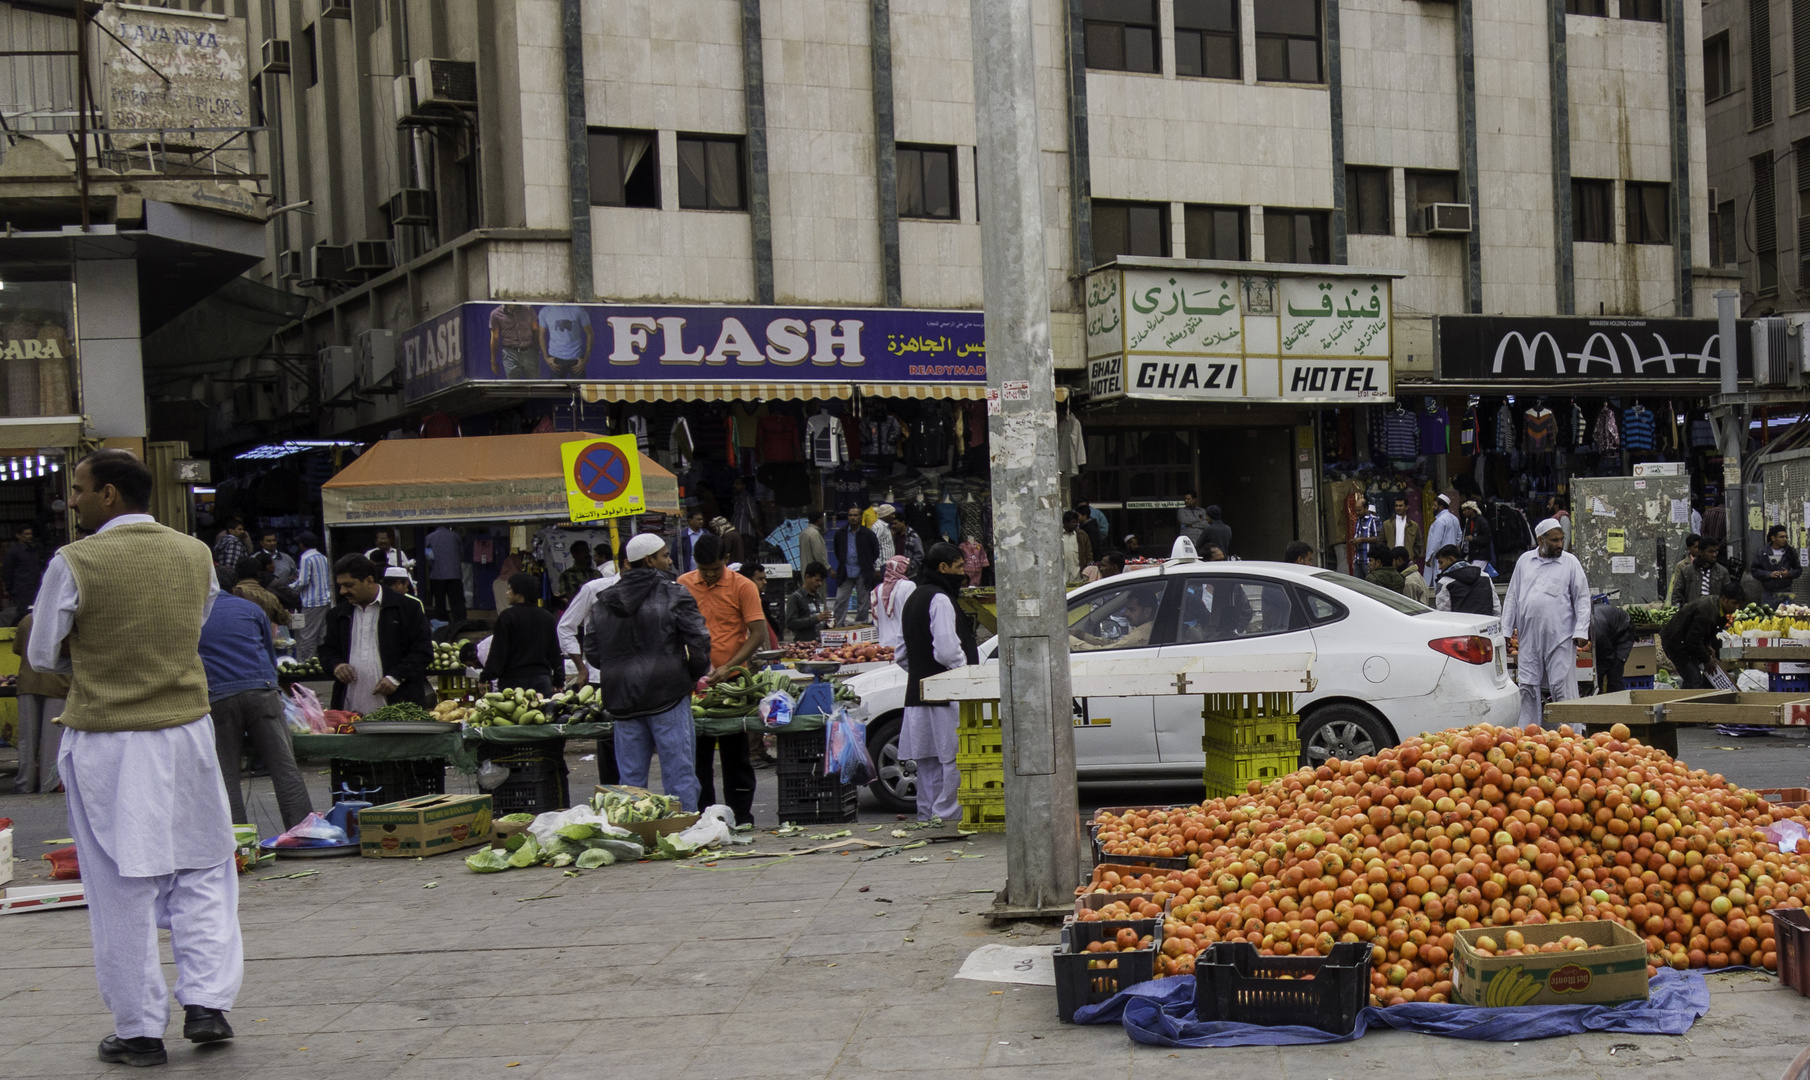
x=939 y=783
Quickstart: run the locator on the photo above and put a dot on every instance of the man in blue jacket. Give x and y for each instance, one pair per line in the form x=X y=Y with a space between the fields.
x=242 y=695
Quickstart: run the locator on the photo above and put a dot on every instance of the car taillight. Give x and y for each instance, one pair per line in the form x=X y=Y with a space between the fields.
x=1471 y=649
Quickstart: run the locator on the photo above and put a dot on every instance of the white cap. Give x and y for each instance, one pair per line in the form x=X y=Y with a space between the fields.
x=1445 y=500
x=1547 y=526
x=396 y=573
x=641 y=546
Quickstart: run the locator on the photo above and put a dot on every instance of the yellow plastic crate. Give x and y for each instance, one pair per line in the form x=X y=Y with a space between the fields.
x=982 y=742
x=1226 y=736
x=1231 y=774
x=980 y=779
x=983 y=812
x=1249 y=706
x=978 y=715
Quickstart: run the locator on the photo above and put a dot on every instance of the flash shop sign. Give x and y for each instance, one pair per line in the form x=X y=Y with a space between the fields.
x=1171 y=330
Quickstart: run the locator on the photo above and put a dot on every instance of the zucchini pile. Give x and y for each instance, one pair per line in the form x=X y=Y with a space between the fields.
x=740 y=694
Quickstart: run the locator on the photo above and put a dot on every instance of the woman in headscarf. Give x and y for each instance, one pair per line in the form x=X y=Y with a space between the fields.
x=888 y=605
x=939 y=637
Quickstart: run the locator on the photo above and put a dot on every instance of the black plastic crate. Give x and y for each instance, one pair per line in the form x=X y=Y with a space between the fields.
x=533 y=787
x=1233 y=981
x=1078 y=985
x=814 y=800
x=1106 y=929
x=388 y=781
x=801 y=750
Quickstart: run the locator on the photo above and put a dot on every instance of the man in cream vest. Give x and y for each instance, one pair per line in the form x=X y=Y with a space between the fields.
x=121 y=610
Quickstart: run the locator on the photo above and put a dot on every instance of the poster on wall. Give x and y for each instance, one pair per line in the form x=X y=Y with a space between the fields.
x=165 y=71
x=488 y=341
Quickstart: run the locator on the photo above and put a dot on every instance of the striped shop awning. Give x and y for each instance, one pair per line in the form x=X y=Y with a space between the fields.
x=752 y=391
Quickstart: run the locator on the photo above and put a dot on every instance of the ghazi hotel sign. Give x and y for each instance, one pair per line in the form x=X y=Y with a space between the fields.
x=1164 y=332
x=492 y=342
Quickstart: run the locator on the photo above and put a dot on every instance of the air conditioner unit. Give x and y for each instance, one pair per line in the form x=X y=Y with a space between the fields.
x=327 y=265
x=412 y=206
x=336 y=9
x=402 y=89
x=1446 y=219
x=448 y=83
x=338 y=370
x=369 y=256
x=376 y=359
x=276 y=56
x=291 y=264
x=1773 y=365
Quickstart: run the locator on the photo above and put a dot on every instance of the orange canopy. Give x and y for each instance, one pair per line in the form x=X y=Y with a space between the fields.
x=481 y=478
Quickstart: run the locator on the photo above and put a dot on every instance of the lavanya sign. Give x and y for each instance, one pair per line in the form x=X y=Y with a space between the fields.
x=501 y=342
x=1157 y=331
x=167 y=69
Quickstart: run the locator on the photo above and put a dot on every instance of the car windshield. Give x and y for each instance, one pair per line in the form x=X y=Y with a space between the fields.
x=1375 y=592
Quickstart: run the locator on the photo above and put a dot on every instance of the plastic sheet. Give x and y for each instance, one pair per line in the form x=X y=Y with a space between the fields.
x=1161 y=1013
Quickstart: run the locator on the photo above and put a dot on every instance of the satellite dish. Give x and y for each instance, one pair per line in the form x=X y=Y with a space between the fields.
x=1183 y=551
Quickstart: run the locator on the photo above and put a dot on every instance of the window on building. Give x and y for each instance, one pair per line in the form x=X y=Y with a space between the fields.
x=1288 y=40
x=1801 y=150
x=1599 y=8
x=1129 y=228
x=625 y=168
x=1120 y=34
x=1368 y=209
x=1424 y=187
x=1217 y=232
x=1592 y=211
x=710 y=172
x=1800 y=54
x=1206 y=38
x=1765 y=227
x=1643 y=10
x=1759 y=59
x=313 y=59
x=1722 y=222
x=1648 y=211
x=1297 y=236
x=1716 y=77
x=927 y=182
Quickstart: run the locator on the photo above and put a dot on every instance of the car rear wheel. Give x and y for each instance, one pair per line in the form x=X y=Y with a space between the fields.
x=1341 y=731
x=896 y=787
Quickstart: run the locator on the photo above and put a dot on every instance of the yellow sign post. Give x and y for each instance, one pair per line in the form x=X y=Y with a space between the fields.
x=603 y=481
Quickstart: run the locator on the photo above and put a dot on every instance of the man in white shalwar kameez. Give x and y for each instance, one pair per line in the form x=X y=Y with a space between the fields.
x=939 y=637
x=1446 y=529
x=1547 y=610
x=122 y=609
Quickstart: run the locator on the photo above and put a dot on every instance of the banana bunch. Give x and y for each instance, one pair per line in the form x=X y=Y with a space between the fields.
x=1511 y=987
x=1774 y=624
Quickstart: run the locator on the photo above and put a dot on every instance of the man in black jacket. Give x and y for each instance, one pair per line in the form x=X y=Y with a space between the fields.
x=806 y=608
x=857 y=554
x=378 y=643
x=524 y=642
x=1776 y=567
x=21 y=571
x=939 y=636
x=1612 y=640
x=647 y=642
x=1462 y=586
x=1690 y=637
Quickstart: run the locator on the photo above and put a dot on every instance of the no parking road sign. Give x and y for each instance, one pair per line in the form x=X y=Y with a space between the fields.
x=603 y=477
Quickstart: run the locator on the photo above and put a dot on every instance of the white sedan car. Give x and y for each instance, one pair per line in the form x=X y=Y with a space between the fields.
x=1386 y=667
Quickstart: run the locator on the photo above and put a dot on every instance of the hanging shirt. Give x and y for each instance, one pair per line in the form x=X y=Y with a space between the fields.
x=1608 y=438
x=1505 y=429
x=1401 y=434
x=1637 y=428
x=1542 y=431
x=778 y=438
x=824 y=441
x=1434 y=424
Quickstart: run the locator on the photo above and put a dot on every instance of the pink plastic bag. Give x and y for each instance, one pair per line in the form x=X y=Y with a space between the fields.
x=311 y=709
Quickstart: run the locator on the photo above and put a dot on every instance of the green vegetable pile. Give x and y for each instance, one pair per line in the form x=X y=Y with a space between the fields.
x=446 y=656
x=740 y=694
x=1752 y=611
x=310 y=666
x=575 y=845
x=579 y=706
x=401 y=711
x=1654 y=615
x=625 y=805
x=508 y=708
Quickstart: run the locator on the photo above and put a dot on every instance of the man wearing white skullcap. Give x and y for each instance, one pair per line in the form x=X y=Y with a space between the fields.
x=1547 y=611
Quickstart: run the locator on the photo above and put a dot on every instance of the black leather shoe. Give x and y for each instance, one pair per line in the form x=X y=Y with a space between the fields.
x=205 y=1025
x=139 y=1052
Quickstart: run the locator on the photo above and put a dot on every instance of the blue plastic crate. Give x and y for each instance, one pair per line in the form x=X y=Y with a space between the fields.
x=1637 y=682
x=1790 y=684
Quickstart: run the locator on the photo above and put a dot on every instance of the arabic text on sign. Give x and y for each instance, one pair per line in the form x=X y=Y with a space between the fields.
x=1016 y=391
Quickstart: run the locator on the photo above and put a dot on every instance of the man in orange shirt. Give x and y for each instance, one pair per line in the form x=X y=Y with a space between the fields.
x=738 y=627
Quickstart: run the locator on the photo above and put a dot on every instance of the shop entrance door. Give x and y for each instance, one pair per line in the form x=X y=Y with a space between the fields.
x=1247 y=472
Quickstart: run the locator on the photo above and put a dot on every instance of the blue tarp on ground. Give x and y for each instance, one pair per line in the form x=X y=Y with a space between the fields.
x=1162 y=1013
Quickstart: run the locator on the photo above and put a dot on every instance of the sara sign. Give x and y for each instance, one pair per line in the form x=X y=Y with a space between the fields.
x=603 y=477
x=1558 y=349
x=502 y=342
x=1157 y=330
x=166 y=70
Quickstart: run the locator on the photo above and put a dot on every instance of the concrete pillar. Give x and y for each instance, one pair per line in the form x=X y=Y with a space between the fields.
x=109 y=348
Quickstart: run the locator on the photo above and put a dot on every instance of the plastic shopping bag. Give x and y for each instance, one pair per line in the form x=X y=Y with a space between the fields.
x=311 y=708
x=64 y=866
x=313 y=831
x=776 y=709
x=845 y=749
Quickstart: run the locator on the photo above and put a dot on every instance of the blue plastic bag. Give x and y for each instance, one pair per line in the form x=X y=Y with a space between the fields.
x=845 y=750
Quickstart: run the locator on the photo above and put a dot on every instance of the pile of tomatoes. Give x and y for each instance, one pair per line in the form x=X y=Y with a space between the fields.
x=1471 y=827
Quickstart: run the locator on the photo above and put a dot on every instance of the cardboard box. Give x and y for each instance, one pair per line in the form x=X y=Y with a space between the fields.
x=1607 y=976
x=429 y=825
x=646 y=832
x=1642 y=660
x=849 y=635
x=503 y=830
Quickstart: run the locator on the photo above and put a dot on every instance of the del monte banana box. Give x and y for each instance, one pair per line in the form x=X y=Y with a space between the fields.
x=429 y=825
x=1609 y=975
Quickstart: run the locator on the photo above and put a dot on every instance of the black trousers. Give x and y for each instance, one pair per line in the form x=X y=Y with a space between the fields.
x=738 y=774
x=448 y=596
x=607 y=772
x=1691 y=675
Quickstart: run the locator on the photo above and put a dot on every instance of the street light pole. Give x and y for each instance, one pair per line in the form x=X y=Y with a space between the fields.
x=1734 y=426
x=1042 y=842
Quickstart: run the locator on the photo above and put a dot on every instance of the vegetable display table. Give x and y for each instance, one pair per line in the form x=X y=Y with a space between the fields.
x=448 y=747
